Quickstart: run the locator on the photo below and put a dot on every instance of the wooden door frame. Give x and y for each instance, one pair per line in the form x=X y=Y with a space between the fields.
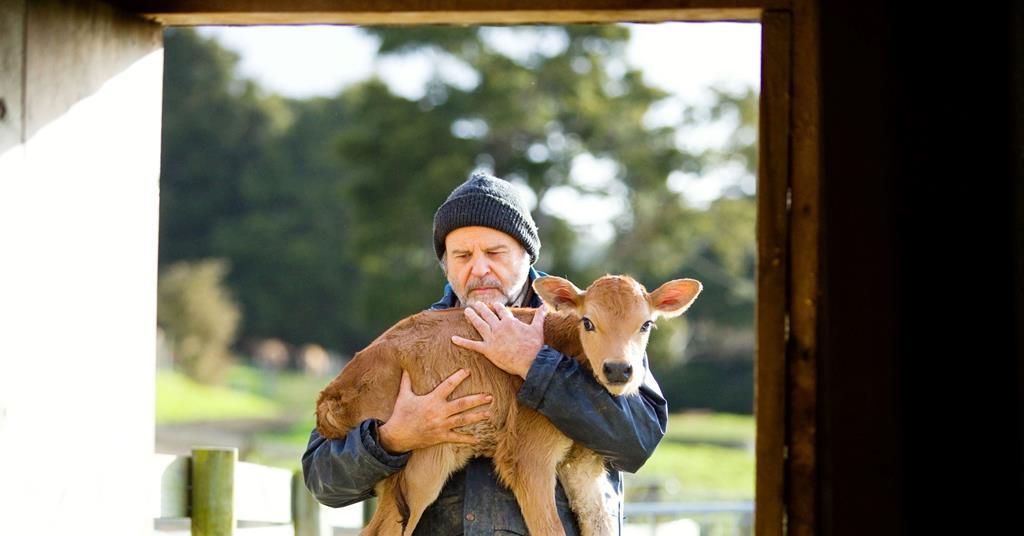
x=788 y=190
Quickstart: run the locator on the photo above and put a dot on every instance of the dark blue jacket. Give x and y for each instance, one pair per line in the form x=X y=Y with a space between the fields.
x=625 y=430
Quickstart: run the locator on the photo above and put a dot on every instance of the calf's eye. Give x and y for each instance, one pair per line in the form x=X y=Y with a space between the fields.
x=587 y=324
x=646 y=327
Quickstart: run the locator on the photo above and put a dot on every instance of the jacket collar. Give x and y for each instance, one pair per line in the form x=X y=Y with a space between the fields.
x=448 y=300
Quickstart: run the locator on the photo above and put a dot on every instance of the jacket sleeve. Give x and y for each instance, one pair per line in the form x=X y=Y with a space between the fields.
x=623 y=429
x=339 y=472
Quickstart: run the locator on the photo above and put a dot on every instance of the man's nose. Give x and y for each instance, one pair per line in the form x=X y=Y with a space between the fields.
x=481 y=266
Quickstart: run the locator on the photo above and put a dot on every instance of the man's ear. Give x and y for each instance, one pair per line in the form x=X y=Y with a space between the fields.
x=558 y=293
x=674 y=298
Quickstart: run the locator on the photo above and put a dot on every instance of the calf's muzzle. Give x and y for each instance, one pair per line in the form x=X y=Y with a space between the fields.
x=618 y=372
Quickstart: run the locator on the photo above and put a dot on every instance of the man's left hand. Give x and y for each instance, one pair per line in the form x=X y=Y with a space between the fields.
x=508 y=343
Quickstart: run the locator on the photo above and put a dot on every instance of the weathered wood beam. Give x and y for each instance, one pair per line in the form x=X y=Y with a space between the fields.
x=772 y=269
x=802 y=479
x=409 y=12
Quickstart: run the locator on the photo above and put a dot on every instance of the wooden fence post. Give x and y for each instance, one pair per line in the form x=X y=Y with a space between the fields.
x=305 y=508
x=213 y=491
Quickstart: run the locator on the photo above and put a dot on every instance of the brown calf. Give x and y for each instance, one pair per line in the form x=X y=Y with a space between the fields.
x=605 y=328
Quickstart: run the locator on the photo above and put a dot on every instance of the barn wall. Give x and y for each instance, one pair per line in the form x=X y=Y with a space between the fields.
x=920 y=384
x=79 y=167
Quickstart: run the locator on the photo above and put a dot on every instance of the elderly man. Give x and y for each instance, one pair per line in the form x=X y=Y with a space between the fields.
x=487 y=243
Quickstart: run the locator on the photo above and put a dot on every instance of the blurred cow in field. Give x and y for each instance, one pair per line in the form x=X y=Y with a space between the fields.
x=271 y=355
x=314 y=360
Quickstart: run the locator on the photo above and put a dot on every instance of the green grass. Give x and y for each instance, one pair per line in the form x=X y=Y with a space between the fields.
x=295 y=392
x=715 y=428
x=179 y=399
x=704 y=456
x=698 y=472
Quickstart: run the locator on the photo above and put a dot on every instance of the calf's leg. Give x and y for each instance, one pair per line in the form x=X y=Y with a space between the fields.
x=526 y=460
x=425 y=474
x=582 y=476
x=535 y=492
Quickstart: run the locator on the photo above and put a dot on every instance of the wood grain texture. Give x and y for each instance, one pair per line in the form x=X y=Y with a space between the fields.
x=806 y=178
x=402 y=12
x=213 y=491
x=772 y=270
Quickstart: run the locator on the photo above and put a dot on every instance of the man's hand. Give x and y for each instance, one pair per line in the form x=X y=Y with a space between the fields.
x=424 y=421
x=508 y=343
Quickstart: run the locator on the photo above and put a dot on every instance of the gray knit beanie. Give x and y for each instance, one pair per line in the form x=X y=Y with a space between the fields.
x=486 y=201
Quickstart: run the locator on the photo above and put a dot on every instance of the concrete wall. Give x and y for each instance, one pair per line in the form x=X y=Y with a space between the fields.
x=79 y=191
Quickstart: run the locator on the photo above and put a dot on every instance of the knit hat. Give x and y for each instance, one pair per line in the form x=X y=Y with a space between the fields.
x=486 y=201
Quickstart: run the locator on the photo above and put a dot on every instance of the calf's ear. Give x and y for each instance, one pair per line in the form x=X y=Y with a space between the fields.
x=674 y=298
x=558 y=293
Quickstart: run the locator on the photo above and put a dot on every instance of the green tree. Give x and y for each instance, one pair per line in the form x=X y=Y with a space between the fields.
x=252 y=178
x=214 y=136
x=199 y=316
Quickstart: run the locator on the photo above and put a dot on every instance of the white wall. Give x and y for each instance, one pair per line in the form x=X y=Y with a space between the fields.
x=79 y=191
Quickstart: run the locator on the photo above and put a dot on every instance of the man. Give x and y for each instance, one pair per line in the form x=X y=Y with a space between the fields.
x=487 y=243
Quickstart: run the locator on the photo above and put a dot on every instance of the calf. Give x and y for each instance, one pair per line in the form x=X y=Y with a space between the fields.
x=605 y=328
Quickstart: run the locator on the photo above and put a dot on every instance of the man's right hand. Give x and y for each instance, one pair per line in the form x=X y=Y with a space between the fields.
x=423 y=421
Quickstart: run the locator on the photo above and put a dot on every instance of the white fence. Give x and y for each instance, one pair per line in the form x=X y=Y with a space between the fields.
x=210 y=492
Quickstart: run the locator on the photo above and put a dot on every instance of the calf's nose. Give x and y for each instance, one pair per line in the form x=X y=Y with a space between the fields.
x=618 y=372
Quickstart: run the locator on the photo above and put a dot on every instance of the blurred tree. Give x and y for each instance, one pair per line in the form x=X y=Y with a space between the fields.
x=254 y=179
x=214 y=136
x=198 y=316
x=289 y=246
x=324 y=206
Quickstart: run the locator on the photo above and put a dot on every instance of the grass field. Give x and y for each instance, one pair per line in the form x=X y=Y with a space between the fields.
x=180 y=399
x=717 y=428
x=704 y=456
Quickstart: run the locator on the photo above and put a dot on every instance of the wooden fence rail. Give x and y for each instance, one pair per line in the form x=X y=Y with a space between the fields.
x=217 y=493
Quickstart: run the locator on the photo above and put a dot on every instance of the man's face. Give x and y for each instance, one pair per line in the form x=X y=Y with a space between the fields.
x=485 y=265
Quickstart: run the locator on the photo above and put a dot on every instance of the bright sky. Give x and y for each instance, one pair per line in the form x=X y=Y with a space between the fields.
x=303 y=61
x=681 y=58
